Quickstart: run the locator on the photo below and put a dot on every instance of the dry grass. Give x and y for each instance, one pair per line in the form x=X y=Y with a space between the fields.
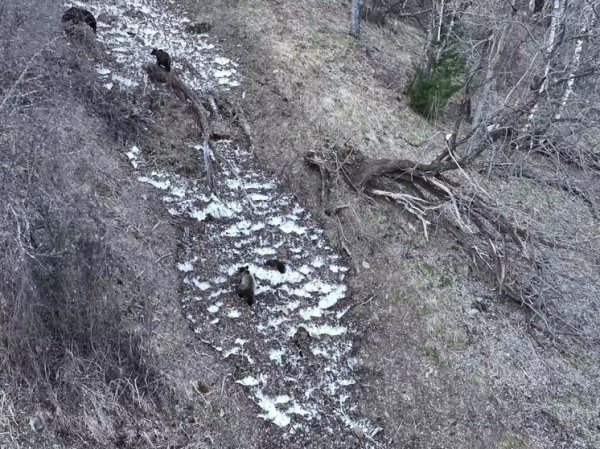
x=446 y=361
x=348 y=90
x=436 y=368
x=78 y=287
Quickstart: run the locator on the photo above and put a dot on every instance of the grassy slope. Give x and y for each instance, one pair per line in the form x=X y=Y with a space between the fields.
x=94 y=351
x=439 y=371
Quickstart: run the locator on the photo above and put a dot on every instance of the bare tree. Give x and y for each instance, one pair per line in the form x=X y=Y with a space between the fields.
x=535 y=84
x=355 y=20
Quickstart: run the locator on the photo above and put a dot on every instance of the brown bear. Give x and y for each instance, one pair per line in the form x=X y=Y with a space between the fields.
x=162 y=59
x=75 y=16
x=245 y=288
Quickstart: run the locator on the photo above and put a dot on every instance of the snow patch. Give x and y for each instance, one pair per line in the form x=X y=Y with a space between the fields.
x=215 y=307
x=276 y=356
x=326 y=329
x=216 y=209
x=265 y=251
x=248 y=381
x=133 y=154
x=272 y=413
x=241 y=228
x=163 y=184
x=185 y=267
x=332 y=298
x=290 y=227
x=234 y=313
x=201 y=285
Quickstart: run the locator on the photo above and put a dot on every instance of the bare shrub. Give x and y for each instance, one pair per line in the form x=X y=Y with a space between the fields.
x=74 y=317
x=379 y=11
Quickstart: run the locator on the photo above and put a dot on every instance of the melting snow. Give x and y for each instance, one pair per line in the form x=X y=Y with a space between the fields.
x=265 y=251
x=233 y=351
x=133 y=156
x=318 y=262
x=298 y=314
x=273 y=414
x=289 y=227
x=326 y=329
x=222 y=61
x=248 y=381
x=103 y=71
x=276 y=355
x=200 y=285
x=185 y=267
x=131 y=38
x=215 y=209
x=160 y=184
x=214 y=308
x=332 y=298
x=234 y=313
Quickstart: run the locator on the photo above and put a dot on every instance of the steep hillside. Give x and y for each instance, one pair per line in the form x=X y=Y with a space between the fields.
x=124 y=228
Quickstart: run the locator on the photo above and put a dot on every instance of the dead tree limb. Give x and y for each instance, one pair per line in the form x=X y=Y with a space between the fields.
x=159 y=75
x=508 y=252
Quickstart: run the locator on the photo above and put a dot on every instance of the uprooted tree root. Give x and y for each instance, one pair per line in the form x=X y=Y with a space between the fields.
x=510 y=255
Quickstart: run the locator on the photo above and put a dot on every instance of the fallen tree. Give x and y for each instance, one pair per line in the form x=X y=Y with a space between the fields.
x=159 y=75
x=512 y=255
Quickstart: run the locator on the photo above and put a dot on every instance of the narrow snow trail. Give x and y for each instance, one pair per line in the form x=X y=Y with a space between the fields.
x=131 y=29
x=291 y=351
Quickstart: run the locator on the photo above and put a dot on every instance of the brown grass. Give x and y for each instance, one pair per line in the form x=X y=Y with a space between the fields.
x=440 y=366
x=435 y=368
x=76 y=303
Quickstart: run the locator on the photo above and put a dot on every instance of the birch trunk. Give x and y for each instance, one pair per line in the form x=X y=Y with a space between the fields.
x=355 y=21
x=440 y=21
x=558 y=13
x=575 y=59
x=574 y=66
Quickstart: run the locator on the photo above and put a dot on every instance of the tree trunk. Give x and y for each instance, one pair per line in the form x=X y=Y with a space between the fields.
x=574 y=66
x=440 y=21
x=558 y=11
x=425 y=63
x=576 y=58
x=492 y=51
x=355 y=21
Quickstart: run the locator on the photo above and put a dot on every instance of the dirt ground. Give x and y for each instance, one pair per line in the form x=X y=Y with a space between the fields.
x=445 y=363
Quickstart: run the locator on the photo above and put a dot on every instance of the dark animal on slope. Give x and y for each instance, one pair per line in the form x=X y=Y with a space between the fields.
x=76 y=16
x=245 y=288
x=277 y=264
x=162 y=59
